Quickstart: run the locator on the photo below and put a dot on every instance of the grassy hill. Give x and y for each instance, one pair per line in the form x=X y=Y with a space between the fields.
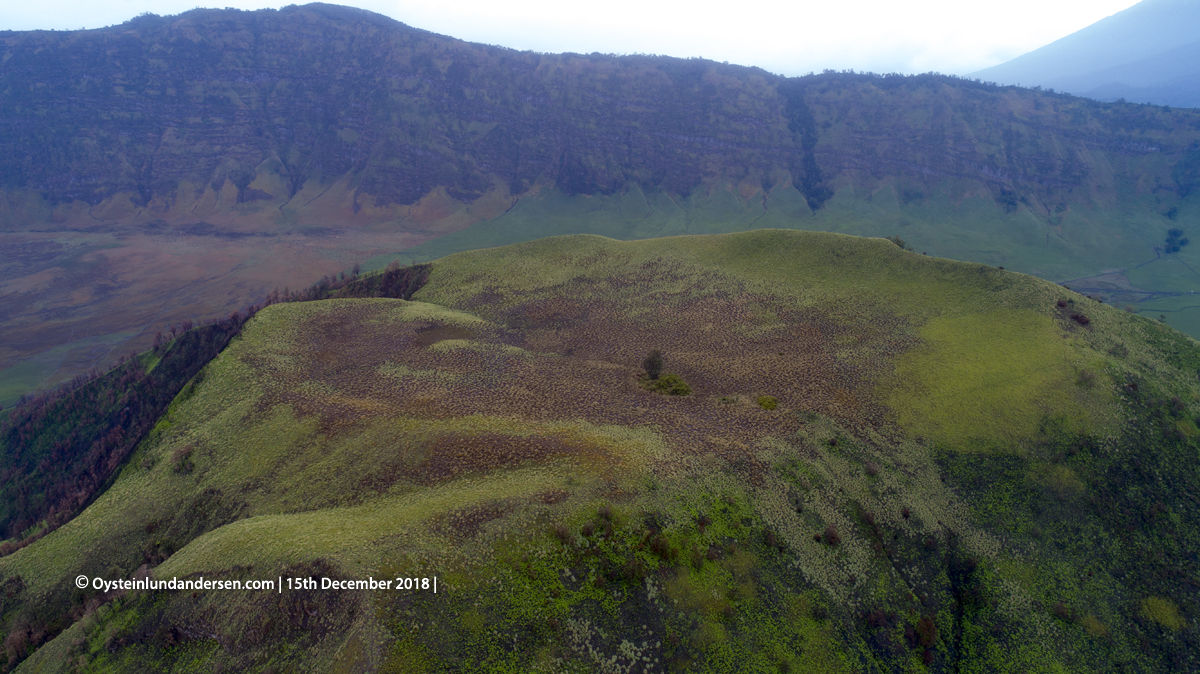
x=887 y=462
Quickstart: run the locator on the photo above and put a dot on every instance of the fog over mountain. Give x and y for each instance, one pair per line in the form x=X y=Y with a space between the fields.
x=1149 y=53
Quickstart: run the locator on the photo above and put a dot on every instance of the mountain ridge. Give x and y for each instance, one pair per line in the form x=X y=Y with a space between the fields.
x=181 y=168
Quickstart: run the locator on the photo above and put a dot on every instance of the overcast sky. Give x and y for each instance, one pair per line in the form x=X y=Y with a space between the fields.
x=788 y=37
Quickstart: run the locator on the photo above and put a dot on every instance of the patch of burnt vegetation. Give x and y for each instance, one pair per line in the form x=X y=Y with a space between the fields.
x=432 y=334
x=395 y=281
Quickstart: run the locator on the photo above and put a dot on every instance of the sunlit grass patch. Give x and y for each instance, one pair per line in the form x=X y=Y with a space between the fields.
x=1164 y=612
x=409 y=311
x=1092 y=625
x=349 y=535
x=1060 y=480
x=988 y=379
x=454 y=344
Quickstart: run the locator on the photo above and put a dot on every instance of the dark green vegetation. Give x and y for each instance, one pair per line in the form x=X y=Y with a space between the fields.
x=268 y=147
x=653 y=364
x=888 y=462
x=58 y=449
x=1175 y=241
x=670 y=384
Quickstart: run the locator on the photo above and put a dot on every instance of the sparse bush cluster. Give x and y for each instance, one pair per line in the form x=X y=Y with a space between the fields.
x=1066 y=309
x=1175 y=241
x=668 y=384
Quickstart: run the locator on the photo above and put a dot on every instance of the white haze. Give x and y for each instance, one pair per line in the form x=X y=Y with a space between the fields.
x=791 y=38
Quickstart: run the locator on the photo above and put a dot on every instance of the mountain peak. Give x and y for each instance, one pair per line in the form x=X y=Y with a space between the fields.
x=1144 y=53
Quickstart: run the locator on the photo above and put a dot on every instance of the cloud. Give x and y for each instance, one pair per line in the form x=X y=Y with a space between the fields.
x=792 y=37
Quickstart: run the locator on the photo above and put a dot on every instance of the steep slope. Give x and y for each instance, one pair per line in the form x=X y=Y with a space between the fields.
x=182 y=167
x=887 y=462
x=1147 y=51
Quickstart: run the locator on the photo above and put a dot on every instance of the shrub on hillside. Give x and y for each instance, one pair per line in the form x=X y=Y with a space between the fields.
x=1087 y=378
x=669 y=384
x=768 y=402
x=181 y=459
x=1175 y=241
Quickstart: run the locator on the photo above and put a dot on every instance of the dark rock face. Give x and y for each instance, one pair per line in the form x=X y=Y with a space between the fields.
x=321 y=92
x=161 y=108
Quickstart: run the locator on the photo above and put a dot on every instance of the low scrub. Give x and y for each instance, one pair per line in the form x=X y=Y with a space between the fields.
x=668 y=384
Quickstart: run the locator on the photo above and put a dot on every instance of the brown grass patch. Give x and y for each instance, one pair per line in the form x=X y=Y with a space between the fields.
x=456 y=454
x=553 y=496
x=467 y=522
x=583 y=345
x=432 y=334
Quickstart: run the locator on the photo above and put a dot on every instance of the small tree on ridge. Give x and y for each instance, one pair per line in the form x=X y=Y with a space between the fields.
x=653 y=364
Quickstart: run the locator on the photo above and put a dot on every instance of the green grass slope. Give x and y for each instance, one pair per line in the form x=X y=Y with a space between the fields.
x=887 y=462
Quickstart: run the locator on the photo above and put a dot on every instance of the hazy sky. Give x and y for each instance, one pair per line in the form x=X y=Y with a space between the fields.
x=789 y=37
